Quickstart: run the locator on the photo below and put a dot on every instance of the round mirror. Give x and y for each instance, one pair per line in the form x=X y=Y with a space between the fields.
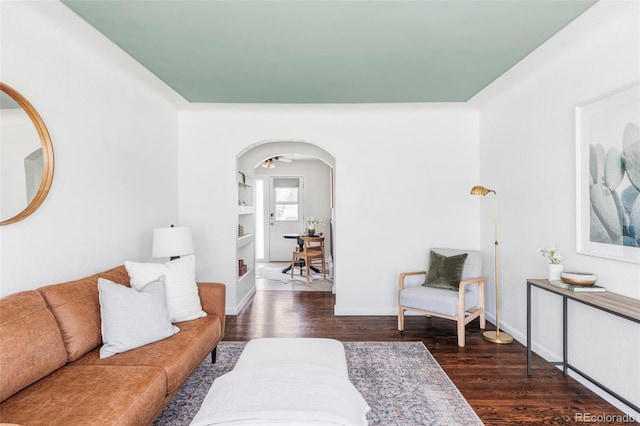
x=26 y=157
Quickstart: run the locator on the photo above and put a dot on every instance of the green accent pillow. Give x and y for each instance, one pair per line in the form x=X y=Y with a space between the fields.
x=445 y=272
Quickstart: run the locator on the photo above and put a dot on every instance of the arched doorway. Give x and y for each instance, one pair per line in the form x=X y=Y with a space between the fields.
x=311 y=168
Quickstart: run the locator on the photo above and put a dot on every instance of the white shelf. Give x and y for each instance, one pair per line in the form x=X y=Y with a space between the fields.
x=249 y=270
x=243 y=210
x=244 y=240
x=245 y=250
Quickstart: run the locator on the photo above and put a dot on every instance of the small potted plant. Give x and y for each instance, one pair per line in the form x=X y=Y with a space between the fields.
x=311 y=225
x=555 y=262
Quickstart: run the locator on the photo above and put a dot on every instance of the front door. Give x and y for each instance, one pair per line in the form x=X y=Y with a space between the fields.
x=286 y=196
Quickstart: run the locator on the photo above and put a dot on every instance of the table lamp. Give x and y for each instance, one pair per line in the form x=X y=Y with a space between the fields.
x=172 y=242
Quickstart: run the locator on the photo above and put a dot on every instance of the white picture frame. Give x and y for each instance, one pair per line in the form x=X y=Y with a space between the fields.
x=608 y=204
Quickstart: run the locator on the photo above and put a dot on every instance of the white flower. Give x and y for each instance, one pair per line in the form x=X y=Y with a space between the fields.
x=552 y=255
x=313 y=221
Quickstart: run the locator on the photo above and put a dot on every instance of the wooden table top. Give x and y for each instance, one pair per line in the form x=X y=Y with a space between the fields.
x=624 y=306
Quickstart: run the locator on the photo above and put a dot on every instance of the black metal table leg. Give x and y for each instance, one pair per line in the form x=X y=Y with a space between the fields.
x=528 y=329
x=565 y=357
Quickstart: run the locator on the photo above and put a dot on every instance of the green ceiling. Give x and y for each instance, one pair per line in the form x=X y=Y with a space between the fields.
x=336 y=51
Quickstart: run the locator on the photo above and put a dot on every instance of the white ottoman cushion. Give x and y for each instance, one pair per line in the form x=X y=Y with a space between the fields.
x=282 y=381
x=277 y=351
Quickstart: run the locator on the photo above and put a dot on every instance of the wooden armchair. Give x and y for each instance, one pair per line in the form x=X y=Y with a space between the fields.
x=462 y=305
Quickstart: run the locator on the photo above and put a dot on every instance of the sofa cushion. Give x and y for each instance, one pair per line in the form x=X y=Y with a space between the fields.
x=77 y=309
x=131 y=318
x=183 y=300
x=177 y=355
x=32 y=345
x=89 y=395
x=440 y=300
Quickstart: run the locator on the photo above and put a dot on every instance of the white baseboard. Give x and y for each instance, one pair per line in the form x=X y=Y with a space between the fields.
x=233 y=310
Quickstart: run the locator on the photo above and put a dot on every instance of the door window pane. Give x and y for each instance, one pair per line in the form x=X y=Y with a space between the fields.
x=286 y=195
x=286 y=206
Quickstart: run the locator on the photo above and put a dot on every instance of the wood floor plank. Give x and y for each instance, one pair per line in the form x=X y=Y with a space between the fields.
x=491 y=377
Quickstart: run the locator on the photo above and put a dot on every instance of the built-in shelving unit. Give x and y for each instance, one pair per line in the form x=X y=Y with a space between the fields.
x=245 y=243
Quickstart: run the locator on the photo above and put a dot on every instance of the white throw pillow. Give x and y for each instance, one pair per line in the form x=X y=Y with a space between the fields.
x=131 y=318
x=183 y=299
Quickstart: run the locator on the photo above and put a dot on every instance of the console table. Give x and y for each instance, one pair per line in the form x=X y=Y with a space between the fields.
x=615 y=304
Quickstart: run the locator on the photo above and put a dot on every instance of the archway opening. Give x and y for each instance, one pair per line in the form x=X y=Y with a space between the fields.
x=303 y=172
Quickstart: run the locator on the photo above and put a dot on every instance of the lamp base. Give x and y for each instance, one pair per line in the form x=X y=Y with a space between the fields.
x=497 y=337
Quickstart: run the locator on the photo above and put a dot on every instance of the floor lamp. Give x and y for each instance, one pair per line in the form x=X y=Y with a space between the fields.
x=496 y=336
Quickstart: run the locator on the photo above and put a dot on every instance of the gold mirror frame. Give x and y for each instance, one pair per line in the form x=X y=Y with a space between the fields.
x=47 y=154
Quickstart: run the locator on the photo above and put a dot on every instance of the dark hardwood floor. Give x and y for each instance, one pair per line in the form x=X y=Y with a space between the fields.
x=491 y=377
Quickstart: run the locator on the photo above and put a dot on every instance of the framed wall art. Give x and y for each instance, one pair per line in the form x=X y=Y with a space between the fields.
x=608 y=175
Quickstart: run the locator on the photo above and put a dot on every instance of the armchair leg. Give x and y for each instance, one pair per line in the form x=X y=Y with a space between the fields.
x=214 y=354
x=460 y=333
x=400 y=319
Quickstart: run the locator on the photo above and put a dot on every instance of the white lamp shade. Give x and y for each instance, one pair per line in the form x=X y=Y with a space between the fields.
x=174 y=241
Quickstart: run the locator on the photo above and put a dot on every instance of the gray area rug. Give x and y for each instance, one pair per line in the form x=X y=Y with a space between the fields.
x=271 y=278
x=401 y=381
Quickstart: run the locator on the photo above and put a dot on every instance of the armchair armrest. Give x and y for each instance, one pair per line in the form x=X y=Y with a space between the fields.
x=404 y=275
x=212 y=298
x=479 y=280
x=462 y=293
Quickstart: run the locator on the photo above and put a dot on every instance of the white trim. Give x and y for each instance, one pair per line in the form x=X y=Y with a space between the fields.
x=234 y=310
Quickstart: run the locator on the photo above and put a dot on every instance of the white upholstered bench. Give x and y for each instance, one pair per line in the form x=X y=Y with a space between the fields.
x=301 y=381
x=278 y=351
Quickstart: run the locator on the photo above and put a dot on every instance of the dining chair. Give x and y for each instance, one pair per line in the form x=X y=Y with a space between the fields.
x=312 y=252
x=440 y=292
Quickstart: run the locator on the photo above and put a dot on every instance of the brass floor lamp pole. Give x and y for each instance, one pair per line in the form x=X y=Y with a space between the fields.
x=496 y=336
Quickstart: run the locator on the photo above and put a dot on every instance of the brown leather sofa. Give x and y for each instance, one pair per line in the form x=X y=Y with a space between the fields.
x=51 y=372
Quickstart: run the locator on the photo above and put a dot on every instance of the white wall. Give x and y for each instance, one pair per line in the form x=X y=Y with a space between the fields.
x=528 y=154
x=114 y=132
x=402 y=180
